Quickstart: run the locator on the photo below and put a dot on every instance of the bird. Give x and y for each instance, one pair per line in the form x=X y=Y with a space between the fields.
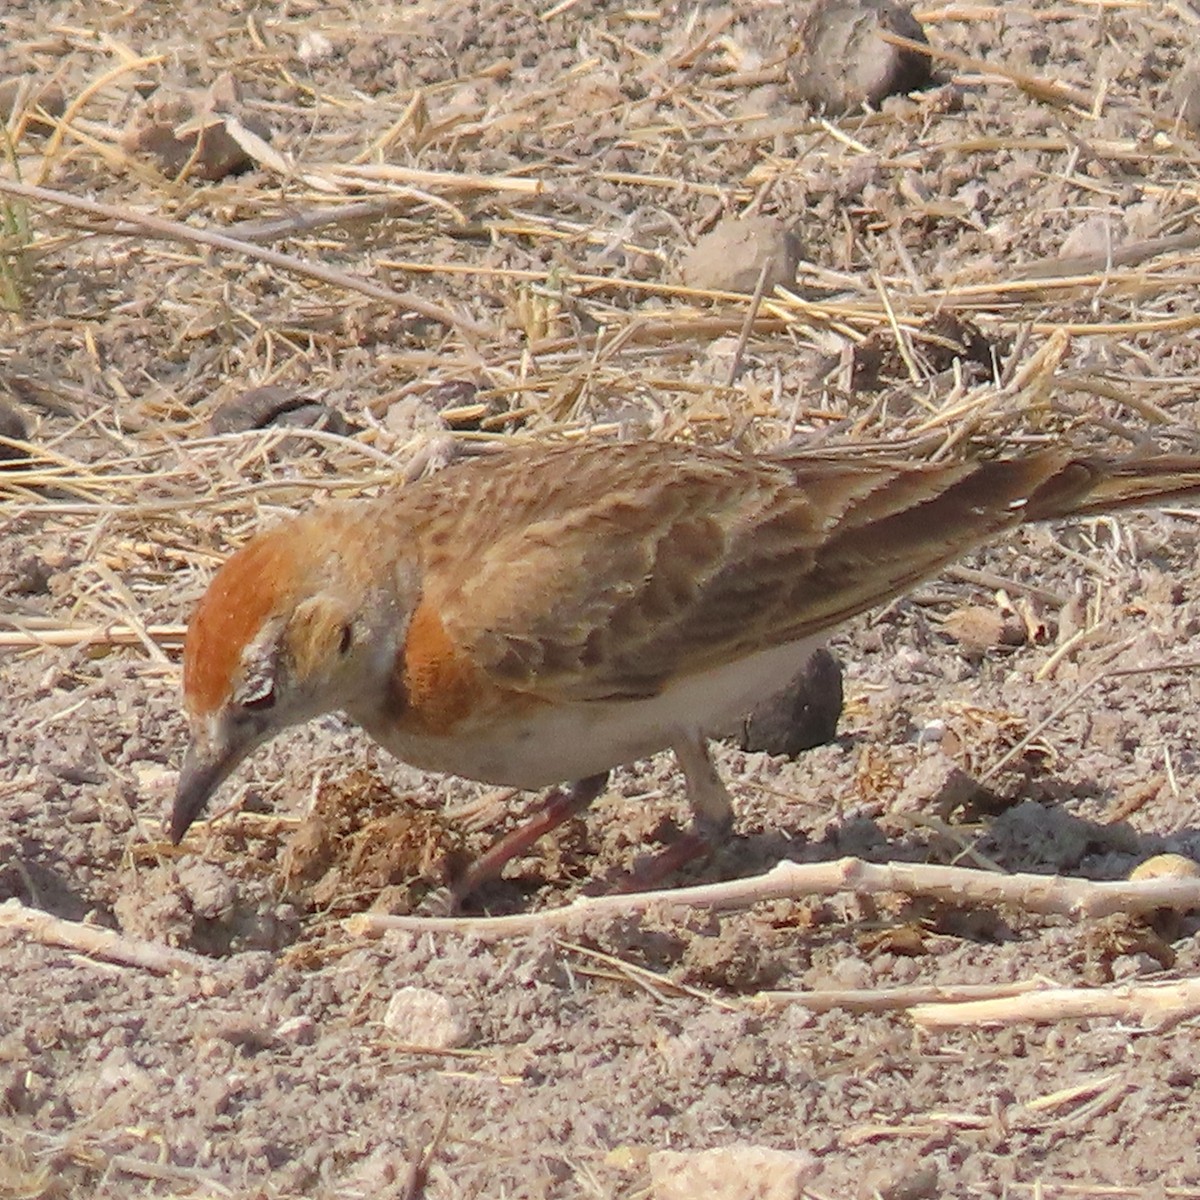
x=538 y=616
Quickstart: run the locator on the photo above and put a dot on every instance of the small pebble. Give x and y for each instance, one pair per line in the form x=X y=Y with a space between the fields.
x=840 y=62
x=314 y=48
x=737 y=1172
x=734 y=253
x=422 y=1017
x=301 y=1030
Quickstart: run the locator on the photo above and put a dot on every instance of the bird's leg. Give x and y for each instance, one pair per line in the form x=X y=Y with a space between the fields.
x=712 y=809
x=559 y=806
x=712 y=818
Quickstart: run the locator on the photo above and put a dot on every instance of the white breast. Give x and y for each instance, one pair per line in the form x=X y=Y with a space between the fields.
x=559 y=744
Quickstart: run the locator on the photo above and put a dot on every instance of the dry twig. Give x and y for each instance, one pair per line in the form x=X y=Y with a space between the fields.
x=1154 y=1004
x=1044 y=894
x=128 y=220
x=97 y=942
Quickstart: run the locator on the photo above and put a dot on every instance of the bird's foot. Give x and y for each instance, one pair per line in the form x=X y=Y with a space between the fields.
x=651 y=872
x=559 y=806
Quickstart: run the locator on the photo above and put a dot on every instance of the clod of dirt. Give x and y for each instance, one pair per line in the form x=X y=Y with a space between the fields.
x=920 y=1184
x=419 y=1016
x=733 y=255
x=978 y=628
x=259 y=407
x=1121 y=935
x=840 y=62
x=197 y=137
x=737 y=959
x=165 y=915
x=361 y=846
x=944 y=341
x=448 y=395
x=962 y=922
x=805 y=714
x=13 y=428
x=737 y=1172
x=1092 y=238
x=202 y=905
x=908 y=940
x=937 y=785
x=947 y=339
x=210 y=893
x=1030 y=837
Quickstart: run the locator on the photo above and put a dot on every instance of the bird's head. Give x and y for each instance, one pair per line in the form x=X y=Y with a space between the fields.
x=293 y=625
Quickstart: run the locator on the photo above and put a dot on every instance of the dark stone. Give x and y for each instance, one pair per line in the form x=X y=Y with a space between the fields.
x=805 y=714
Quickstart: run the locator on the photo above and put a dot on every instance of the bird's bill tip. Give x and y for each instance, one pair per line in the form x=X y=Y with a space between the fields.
x=202 y=773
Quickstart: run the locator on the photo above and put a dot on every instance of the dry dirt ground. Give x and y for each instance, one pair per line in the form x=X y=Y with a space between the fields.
x=537 y=173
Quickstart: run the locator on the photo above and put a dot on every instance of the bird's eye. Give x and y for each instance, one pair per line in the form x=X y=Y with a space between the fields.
x=347 y=639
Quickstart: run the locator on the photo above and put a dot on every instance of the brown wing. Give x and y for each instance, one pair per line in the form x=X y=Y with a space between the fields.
x=603 y=570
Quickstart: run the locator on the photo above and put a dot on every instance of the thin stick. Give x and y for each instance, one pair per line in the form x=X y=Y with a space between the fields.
x=995 y=582
x=1076 y=696
x=417 y=1174
x=874 y=1000
x=207 y=237
x=96 y=942
x=1045 y=894
x=1150 y=1004
x=1052 y=90
x=1128 y=255
x=735 y=367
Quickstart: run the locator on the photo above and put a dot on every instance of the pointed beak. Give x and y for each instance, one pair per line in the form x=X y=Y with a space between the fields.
x=205 y=767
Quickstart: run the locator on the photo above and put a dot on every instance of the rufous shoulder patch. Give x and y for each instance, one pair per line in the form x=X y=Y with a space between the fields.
x=440 y=686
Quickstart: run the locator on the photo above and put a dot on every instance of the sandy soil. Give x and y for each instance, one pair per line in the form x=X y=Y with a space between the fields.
x=271 y=1065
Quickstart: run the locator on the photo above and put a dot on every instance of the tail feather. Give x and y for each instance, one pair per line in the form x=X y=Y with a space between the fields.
x=1092 y=487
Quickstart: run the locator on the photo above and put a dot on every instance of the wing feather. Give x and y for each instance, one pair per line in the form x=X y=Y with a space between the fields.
x=601 y=570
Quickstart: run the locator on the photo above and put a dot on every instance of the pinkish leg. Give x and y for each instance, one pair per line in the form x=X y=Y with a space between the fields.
x=559 y=806
x=652 y=872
